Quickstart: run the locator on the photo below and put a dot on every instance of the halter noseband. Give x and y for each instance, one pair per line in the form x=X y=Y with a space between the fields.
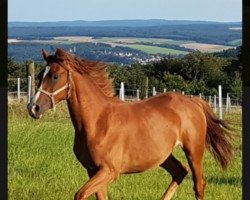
x=51 y=95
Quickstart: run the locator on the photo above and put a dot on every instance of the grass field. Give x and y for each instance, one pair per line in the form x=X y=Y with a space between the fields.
x=122 y=40
x=42 y=164
x=206 y=47
x=155 y=50
x=236 y=42
x=133 y=43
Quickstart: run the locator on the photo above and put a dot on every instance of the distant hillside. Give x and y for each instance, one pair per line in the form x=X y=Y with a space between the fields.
x=203 y=33
x=116 y=23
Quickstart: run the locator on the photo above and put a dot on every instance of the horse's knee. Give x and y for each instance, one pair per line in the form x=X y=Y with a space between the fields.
x=180 y=173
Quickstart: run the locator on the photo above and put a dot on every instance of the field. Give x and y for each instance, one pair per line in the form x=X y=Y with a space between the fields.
x=142 y=44
x=133 y=43
x=155 y=50
x=236 y=42
x=205 y=47
x=42 y=164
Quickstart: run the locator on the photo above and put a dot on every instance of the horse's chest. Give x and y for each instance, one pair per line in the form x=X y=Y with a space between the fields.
x=82 y=152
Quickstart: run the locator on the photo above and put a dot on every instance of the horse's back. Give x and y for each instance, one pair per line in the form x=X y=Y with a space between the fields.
x=168 y=111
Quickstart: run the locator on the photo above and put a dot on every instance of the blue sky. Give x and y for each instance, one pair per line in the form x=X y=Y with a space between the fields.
x=58 y=10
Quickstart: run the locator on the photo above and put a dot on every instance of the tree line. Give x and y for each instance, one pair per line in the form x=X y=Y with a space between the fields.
x=22 y=51
x=194 y=73
x=219 y=33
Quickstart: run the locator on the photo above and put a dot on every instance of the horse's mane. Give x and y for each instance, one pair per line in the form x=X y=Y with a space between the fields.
x=96 y=70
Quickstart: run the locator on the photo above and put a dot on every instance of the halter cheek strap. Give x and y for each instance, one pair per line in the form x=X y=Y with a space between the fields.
x=51 y=95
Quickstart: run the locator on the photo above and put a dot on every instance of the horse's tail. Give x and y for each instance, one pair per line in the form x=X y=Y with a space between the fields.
x=218 y=137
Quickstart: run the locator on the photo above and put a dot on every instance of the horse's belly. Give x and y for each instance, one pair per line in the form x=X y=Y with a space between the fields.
x=146 y=157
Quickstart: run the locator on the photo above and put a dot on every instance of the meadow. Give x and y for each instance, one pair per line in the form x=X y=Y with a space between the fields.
x=156 y=50
x=136 y=43
x=42 y=165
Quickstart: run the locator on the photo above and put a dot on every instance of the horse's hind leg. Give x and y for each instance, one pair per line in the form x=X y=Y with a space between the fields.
x=177 y=171
x=196 y=165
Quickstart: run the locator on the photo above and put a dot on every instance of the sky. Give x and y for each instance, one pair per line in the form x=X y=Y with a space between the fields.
x=93 y=10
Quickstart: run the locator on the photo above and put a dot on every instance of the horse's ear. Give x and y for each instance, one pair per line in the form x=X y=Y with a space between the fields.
x=45 y=54
x=60 y=54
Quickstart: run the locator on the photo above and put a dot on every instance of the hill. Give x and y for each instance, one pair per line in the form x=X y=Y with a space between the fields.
x=198 y=31
x=110 y=40
x=115 y=23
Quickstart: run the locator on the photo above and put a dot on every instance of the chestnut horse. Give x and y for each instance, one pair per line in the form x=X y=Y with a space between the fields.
x=113 y=137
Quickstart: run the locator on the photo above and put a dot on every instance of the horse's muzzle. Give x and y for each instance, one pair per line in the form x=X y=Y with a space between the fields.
x=35 y=110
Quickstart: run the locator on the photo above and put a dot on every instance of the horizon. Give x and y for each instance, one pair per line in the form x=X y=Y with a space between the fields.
x=128 y=20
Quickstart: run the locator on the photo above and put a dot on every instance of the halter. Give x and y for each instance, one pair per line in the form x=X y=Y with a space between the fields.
x=51 y=95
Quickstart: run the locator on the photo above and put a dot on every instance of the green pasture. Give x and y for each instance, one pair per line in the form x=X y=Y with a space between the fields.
x=42 y=165
x=155 y=50
x=236 y=42
x=138 y=40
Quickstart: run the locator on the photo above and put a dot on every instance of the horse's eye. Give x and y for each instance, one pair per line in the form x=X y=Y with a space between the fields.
x=55 y=76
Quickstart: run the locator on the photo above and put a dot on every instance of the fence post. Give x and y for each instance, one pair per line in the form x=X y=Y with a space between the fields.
x=122 y=91
x=210 y=100
x=164 y=90
x=29 y=89
x=220 y=101
x=146 y=95
x=138 y=95
x=31 y=72
x=200 y=95
x=183 y=93
x=227 y=103
x=18 y=89
x=154 y=92
x=173 y=90
x=215 y=104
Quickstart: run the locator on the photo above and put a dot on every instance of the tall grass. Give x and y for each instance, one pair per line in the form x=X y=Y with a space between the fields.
x=42 y=164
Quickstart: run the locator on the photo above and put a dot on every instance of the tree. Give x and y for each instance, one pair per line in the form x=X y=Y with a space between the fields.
x=175 y=82
x=16 y=70
x=205 y=70
x=236 y=86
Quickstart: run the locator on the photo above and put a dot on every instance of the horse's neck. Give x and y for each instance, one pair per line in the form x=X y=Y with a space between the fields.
x=86 y=103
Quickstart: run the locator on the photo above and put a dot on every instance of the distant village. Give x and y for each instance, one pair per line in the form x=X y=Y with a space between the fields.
x=141 y=58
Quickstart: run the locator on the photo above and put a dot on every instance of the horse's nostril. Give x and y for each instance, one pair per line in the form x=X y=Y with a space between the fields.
x=35 y=111
x=37 y=108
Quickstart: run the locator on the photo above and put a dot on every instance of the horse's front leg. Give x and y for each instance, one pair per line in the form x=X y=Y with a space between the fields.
x=98 y=182
x=101 y=194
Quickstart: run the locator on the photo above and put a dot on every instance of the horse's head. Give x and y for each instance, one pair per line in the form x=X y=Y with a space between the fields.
x=54 y=84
